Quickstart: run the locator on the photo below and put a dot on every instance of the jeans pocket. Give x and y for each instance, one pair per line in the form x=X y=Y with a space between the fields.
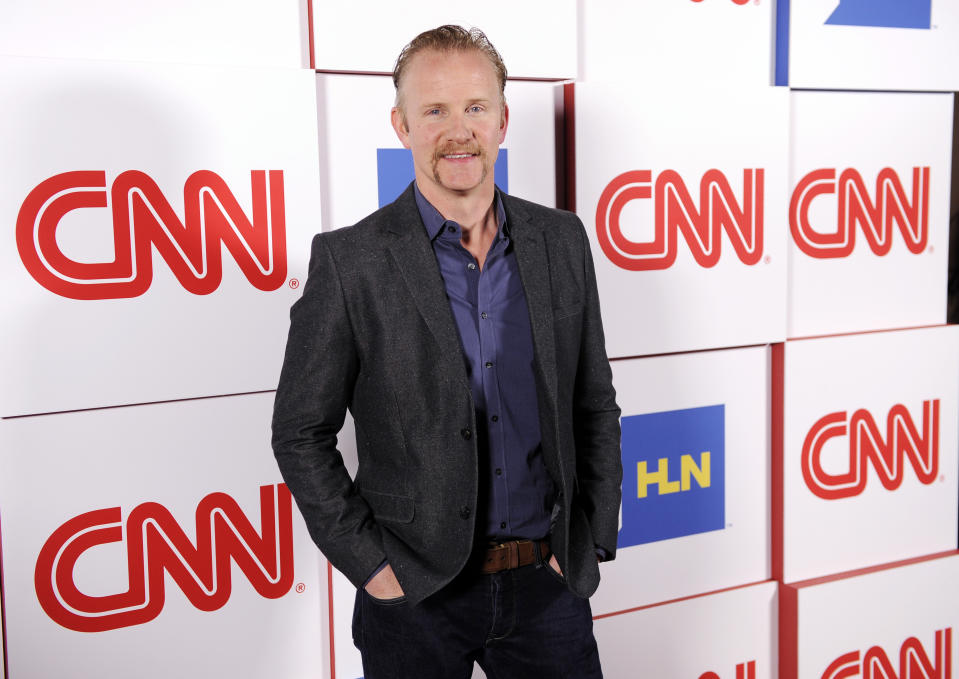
x=558 y=577
x=395 y=601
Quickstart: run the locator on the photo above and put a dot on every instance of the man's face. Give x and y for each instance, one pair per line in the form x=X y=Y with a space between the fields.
x=452 y=119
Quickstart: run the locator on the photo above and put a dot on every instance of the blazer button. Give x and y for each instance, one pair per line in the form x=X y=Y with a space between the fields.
x=466 y=434
x=465 y=512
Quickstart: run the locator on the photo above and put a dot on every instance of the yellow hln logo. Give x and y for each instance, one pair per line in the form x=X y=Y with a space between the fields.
x=688 y=470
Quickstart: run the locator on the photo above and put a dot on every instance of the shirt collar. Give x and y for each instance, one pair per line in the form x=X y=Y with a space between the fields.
x=434 y=221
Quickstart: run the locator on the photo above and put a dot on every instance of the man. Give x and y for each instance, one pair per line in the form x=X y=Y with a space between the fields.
x=461 y=327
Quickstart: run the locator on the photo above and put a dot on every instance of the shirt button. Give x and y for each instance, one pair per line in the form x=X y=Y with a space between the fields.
x=471 y=266
x=499 y=472
x=451 y=229
x=465 y=512
x=495 y=418
x=483 y=315
x=466 y=434
x=489 y=364
x=502 y=524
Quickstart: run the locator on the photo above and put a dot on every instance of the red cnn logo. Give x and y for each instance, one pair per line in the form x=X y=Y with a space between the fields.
x=867 y=446
x=743 y=671
x=913 y=661
x=156 y=544
x=675 y=212
x=143 y=220
x=856 y=208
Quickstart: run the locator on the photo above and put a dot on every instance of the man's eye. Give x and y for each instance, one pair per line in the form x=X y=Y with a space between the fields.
x=475 y=109
x=433 y=112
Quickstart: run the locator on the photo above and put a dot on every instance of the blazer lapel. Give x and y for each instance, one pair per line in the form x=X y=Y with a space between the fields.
x=412 y=251
x=533 y=261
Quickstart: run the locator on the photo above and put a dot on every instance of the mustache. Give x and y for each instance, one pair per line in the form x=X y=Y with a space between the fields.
x=455 y=149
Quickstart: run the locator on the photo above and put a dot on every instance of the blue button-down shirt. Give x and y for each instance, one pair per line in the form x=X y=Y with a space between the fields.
x=489 y=307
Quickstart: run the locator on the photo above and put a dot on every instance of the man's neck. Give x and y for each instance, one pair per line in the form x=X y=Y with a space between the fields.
x=474 y=212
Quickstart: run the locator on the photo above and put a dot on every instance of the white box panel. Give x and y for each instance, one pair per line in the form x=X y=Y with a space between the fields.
x=714 y=41
x=160 y=220
x=684 y=205
x=98 y=498
x=536 y=38
x=869 y=211
x=870 y=449
x=243 y=33
x=867 y=45
x=835 y=627
x=729 y=635
x=690 y=535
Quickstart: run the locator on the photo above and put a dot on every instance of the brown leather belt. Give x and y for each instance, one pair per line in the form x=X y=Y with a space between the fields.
x=513 y=554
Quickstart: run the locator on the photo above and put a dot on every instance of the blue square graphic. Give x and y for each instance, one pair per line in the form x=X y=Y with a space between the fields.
x=394 y=172
x=674 y=474
x=883 y=13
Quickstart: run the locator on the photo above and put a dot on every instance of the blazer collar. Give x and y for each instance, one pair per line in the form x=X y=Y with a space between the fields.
x=529 y=242
x=412 y=252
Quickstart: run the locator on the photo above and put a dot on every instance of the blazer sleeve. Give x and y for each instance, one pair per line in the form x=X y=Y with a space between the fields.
x=599 y=465
x=315 y=389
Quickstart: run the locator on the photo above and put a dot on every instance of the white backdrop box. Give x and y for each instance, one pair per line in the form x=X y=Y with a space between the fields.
x=870 y=449
x=869 y=211
x=536 y=38
x=684 y=212
x=155 y=541
x=865 y=45
x=694 y=637
x=171 y=31
x=163 y=219
x=901 y=621
x=729 y=41
x=361 y=153
x=695 y=512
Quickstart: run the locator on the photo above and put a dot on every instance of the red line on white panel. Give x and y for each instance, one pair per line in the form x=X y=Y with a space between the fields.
x=329 y=599
x=309 y=23
x=799 y=584
x=866 y=332
x=686 y=353
x=569 y=127
x=143 y=403
x=3 y=612
x=788 y=632
x=682 y=598
x=777 y=463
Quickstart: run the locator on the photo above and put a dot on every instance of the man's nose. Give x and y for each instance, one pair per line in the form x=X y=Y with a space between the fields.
x=459 y=129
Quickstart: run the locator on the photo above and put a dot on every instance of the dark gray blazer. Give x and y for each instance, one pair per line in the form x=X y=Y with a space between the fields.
x=373 y=332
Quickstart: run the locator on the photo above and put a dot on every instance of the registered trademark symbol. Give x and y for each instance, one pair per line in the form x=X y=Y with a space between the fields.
x=930 y=250
x=300 y=588
x=767 y=259
x=294 y=283
x=942 y=478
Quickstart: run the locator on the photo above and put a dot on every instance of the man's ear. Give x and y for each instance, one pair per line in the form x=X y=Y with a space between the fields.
x=504 y=123
x=398 y=120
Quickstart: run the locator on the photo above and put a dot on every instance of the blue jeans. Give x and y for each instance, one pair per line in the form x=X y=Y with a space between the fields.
x=522 y=623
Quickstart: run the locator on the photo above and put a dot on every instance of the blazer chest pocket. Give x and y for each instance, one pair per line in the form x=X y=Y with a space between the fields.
x=391 y=508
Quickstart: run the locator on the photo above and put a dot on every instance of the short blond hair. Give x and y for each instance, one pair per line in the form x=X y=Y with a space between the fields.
x=450 y=38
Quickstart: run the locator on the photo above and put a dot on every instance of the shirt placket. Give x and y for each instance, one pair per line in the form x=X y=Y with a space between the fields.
x=487 y=312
